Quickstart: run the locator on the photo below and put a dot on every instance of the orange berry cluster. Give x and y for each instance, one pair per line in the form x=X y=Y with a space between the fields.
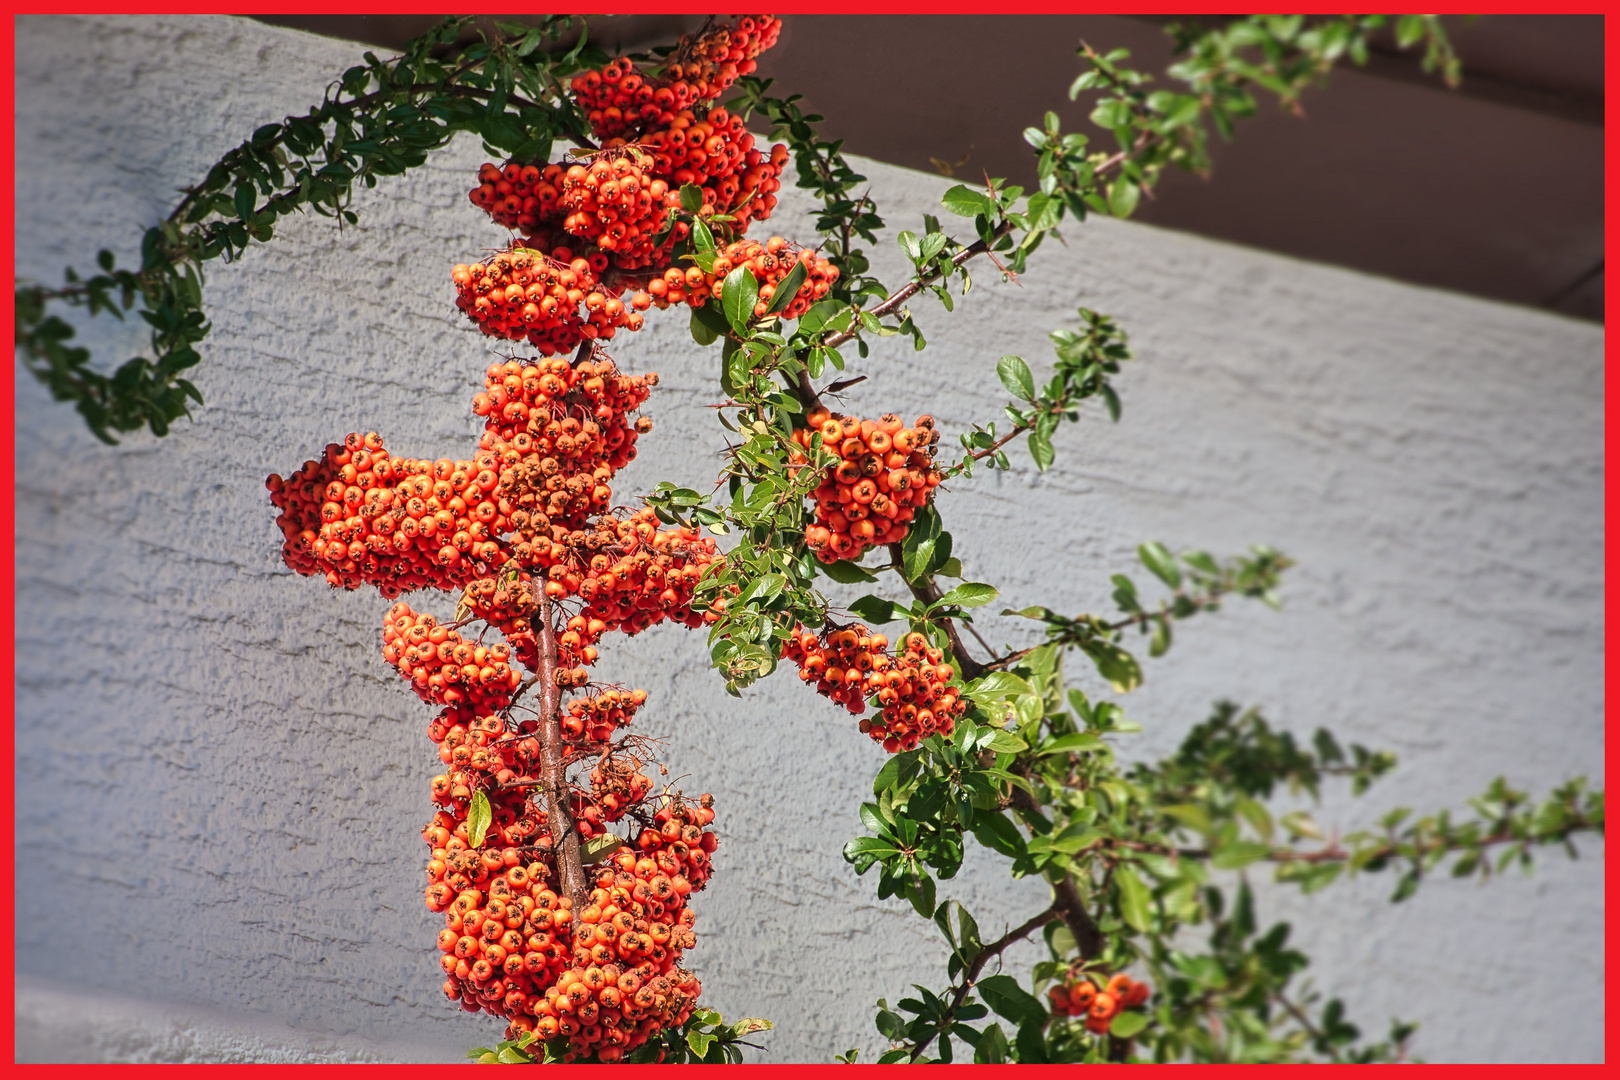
x=885 y=476
x=517 y=196
x=769 y=262
x=1080 y=996
x=567 y=423
x=606 y=977
x=445 y=668
x=619 y=99
x=852 y=665
x=615 y=201
x=717 y=154
x=523 y=294
x=624 y=983
x=360 y=516
x=617 y=206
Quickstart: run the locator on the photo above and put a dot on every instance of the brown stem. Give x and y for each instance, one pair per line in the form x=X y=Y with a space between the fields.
x=1335 y=853
x=1199 y=604
x=559 y=816
x=995 y=948
x=1304 y=1021
x=912 y=287
x=1066 y=901
x=929 y=593
x=1072 y=910
x=807 y=393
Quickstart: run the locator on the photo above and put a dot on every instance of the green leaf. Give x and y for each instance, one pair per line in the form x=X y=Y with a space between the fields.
x=787 y=288
x=970 y=594
x=1005 y=742
x=691 y=198
x=1135 y=901
x=1116 y=665
x=1122 y=197
x=702 y=332
x=845 y=572
x=918 y=548
x=699 y=1041
x=1409 y=30
x=1040 y=449
x=1003 y=994
x=963 y=201
x=1257 y=816
x=1237 y=855
x=999 y=684
x=738 y=295
x=995 y=831
x=1128 y=1024
x=598 y=848
x=1157 y=558
x=702 y=239
x=874 y=609
x=478 y=819
x=1015 y=376
x=1070 y=744
x=921 y=895
x=766 y=587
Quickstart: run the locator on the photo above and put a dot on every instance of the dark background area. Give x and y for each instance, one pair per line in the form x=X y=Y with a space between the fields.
x=1493 y=189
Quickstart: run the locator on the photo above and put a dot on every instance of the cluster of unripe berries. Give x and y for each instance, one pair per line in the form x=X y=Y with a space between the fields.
x=525 y=295
x=852 y=666
x=770 y=263
x=619 y=100
x=1080 y=996
x=884 y=475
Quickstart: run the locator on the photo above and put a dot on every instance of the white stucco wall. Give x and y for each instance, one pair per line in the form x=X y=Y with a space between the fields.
x=219 y=784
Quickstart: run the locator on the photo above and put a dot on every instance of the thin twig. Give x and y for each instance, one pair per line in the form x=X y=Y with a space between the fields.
x=995 y=948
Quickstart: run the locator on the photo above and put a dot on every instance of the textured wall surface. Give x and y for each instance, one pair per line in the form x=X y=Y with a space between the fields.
x=215 y=767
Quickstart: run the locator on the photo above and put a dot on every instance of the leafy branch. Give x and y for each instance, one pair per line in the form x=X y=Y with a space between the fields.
x=381 y=118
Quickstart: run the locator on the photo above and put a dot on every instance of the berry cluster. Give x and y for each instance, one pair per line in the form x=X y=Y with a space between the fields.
x=614 y=201
x=523 y=294
x=716 y=57
x=605 y=978
x=624 y=982
x=716 y=153
x=770 y=263
x=517 y=196
x=620 y=101
x=524 y=525
x=561 y=431
x=594 y=228
x=851 y=665
x=885 y=476
x=360 y=516
x=1080 y=996
x=445 y=668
